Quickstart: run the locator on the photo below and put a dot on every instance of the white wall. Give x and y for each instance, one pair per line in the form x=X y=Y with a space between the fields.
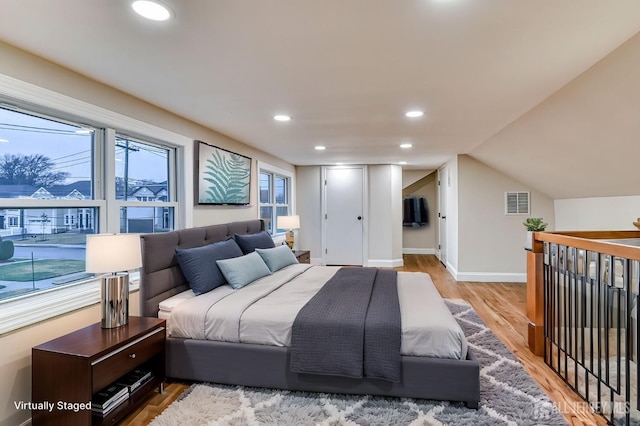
x=450 y=185
x=409 y=177
x=491 y=243
x=384 y=212
x=599 y=213
x=385 y=216
x=309 y=208
x=396 y=215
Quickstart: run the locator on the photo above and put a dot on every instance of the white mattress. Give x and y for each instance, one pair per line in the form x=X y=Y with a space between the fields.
x=263 y=312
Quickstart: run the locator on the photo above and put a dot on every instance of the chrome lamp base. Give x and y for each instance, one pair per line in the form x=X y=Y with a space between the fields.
x=114 y=303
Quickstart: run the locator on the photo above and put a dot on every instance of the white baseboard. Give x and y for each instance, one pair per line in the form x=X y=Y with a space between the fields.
x=385 y=263
x=453 y=271
x=418 y=250
x=485 y=277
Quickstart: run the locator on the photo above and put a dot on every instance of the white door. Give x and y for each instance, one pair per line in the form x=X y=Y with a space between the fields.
x=344 y=215
x=442 y=214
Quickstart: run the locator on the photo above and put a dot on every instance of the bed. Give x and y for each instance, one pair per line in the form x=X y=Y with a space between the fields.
x=264 y=358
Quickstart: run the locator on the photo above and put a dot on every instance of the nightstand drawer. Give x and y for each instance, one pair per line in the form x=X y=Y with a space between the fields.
x=119 y=362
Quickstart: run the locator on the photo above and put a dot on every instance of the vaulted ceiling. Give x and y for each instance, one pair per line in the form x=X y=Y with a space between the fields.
x=520 y=85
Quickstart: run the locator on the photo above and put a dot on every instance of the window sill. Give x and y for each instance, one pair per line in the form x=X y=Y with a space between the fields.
x=30 y=309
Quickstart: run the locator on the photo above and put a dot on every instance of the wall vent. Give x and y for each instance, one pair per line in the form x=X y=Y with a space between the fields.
x=517 y=202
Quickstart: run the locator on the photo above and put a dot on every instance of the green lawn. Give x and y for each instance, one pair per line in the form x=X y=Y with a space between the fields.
x=42 y=269
x=63 y=238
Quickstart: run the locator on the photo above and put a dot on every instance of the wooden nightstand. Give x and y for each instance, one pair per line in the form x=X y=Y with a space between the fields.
x=303 y=256
x=68 y=371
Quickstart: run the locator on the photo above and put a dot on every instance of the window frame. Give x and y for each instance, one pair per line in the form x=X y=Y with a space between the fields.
x=15 y=94
x=290 y=178
x=113 y=215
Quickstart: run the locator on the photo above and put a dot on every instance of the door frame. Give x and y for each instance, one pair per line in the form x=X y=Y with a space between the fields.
x=365 y=210
x=441 y=252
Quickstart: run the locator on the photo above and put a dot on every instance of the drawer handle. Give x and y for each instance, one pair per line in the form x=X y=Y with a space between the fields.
x=132 y=356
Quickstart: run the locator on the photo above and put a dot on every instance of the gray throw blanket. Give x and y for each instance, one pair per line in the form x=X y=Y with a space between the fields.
x=351 y=327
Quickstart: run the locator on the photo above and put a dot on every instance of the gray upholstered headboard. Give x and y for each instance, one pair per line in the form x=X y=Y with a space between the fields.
x=160 y=276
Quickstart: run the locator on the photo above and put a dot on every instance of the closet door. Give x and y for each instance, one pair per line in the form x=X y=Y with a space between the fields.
x=344 y=215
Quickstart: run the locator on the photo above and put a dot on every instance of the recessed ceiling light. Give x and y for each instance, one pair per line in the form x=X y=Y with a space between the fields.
x=151 y=10
x=281 y=117
x=319 y=148
x=414 y=114
x=402 y=163
x=406 y=145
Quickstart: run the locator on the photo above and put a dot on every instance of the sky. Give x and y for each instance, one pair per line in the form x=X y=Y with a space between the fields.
x=70 y=148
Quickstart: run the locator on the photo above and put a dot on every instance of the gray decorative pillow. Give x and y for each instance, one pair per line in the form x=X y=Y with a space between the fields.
x=241 y=271
x=249 y=242
x=278 y=257
x=199 y=266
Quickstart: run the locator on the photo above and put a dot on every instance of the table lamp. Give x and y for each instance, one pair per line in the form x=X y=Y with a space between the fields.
x=113 y=255
x=290 y=223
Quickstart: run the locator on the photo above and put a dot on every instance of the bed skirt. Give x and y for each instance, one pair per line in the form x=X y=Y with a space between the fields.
x=268 y=367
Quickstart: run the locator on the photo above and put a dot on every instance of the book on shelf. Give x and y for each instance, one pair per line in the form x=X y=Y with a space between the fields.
x=111 y=406
x=135 y=379
x=109 y=398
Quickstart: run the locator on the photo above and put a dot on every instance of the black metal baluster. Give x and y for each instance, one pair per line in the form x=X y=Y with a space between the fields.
x=598 y=333
x=607 y=322
x=637 y=349
x=626 y=283
x=565 y=310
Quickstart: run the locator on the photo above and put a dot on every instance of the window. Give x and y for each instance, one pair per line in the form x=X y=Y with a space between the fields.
x=54 y=191
x=46 y=177
x=275 y=193
x=142 y=181
x=83 y=145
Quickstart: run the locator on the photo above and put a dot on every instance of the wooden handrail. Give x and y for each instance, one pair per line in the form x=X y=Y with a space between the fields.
x=585 y=240
x=592 y=241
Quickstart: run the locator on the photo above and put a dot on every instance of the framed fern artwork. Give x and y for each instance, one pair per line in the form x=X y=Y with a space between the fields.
x=223 y=177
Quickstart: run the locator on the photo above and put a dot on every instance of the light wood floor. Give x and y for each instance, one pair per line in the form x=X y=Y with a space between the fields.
x=501 y=305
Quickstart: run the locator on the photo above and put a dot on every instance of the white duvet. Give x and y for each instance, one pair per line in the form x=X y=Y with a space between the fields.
x=263 y=312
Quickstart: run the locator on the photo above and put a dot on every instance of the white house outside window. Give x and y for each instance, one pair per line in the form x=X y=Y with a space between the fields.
x=143 y=185
x=54 y=190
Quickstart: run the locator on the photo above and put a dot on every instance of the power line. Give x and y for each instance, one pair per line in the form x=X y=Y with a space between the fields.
x=26 y=128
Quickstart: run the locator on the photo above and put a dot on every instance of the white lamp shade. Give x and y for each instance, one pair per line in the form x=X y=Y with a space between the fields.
x=289 y=222
x=113 y=253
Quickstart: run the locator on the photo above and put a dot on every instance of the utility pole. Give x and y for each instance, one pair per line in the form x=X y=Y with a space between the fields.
x=126 y=148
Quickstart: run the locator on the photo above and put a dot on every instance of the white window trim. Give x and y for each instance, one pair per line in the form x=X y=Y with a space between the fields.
x=29 y=309
x=292 y=192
